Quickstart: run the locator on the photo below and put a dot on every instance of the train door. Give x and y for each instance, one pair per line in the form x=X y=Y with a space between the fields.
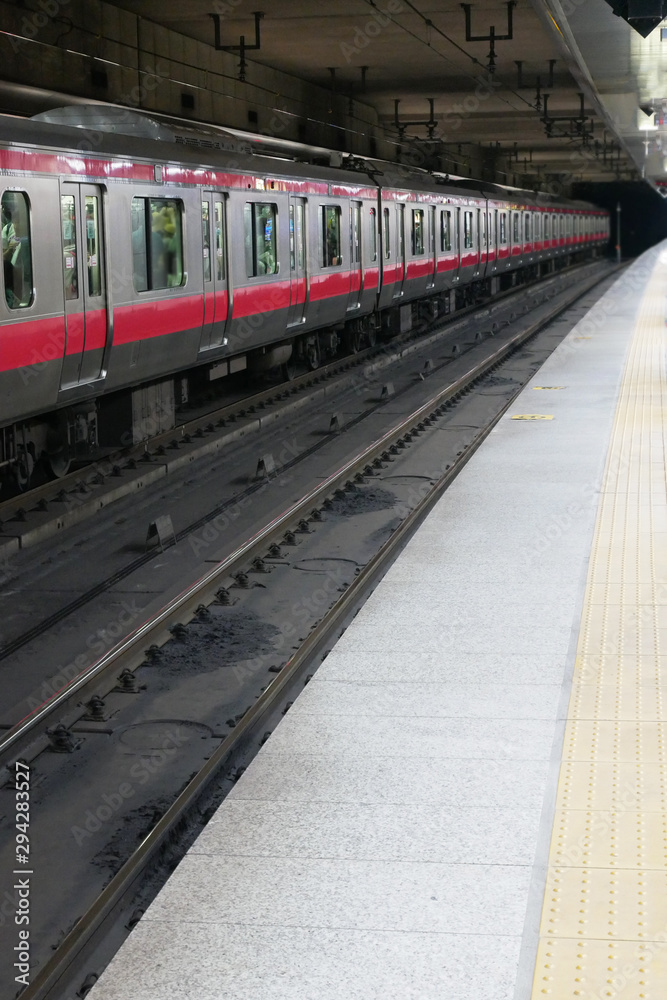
x=481 y=237
x=216 y=290
x=297 y=261
x=356 y=272
x=85 y=284
x=400 y=252
x=459 y=240
x=432 y=249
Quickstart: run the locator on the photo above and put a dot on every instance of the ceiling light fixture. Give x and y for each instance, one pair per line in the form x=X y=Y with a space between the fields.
x=642 y=15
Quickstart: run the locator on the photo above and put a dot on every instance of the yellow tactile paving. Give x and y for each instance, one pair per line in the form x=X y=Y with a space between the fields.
x=604 y=921
x=597 y=970
x=630 y=905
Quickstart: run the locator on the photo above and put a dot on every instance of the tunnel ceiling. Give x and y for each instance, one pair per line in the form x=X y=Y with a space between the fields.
x=558 y=101
x=418 y=50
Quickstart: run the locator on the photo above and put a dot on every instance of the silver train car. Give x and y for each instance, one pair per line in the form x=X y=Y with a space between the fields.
x=139 y=260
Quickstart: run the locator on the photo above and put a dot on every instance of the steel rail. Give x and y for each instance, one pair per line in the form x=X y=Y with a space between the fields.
x=52 y=973
x=192 y=595
x=10 y=507
x=380 y=360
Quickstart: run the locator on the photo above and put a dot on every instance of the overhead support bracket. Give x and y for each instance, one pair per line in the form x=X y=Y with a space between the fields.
x=492 y=37
x=579 y=126
x=430 y=125
x=241 y=48
x=522 y=85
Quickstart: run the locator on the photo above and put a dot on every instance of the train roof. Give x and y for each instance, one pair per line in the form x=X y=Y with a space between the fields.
x=109 y=130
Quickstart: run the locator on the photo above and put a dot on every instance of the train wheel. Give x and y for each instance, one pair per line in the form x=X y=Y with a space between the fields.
x=371 y=335
x=313 y=355
x=353 y=339
x=23 y=471
x=288 y=370
x=57 y=455
x=59 y=464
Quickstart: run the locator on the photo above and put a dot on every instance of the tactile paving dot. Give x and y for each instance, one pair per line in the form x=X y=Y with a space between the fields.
x=623 y=905
x=588 y=739
x=620 y=786
x=598 y=970
x=591 y=838
x=628 y=701
x=604 y=920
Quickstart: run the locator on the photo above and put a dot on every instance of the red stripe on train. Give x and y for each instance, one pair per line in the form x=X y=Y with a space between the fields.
x=143 y=320
x=447 y=264
x=216 y=306
x=254 y=299
x=31 y=342
x=298 y=291
x=419 y=268
x=371 y=277
x=96 y=329
x=324 y=286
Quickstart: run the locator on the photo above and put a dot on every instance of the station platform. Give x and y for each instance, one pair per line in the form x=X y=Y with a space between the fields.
x=468 y=800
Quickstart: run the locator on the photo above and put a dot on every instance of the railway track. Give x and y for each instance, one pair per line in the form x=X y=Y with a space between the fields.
x=56 y=506
x=39 y=513
x=391 y=483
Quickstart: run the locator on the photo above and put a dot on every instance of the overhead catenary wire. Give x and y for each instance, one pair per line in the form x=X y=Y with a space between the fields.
x=558 y=132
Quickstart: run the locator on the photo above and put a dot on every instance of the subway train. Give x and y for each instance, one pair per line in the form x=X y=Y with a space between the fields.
x=143 y=258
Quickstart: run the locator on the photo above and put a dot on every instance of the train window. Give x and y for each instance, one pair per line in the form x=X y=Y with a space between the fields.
x=93 y=262
x=387 y=235
x=502 y=236
x=260 y=238
x=401 y=232
x=292 y=250
x=219 y=241
x=301 y=235
x=206 y=240
x=547 y=227
x=482 y=234
x=139 y=251
x=445 y=231
x=373 y=245
x=158 y=260
x=68 y=229
x=515 y=227
x=166 y=247
x=331 y=247
x=467 y=230
x=526 y=227
x=16 y=250
x=417 y=230
x=355 y=221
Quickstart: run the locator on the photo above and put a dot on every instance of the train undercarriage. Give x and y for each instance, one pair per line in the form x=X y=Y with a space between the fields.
x=49 y=445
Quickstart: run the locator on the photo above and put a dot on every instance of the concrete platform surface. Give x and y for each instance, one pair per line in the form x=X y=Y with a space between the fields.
x=391 y=839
